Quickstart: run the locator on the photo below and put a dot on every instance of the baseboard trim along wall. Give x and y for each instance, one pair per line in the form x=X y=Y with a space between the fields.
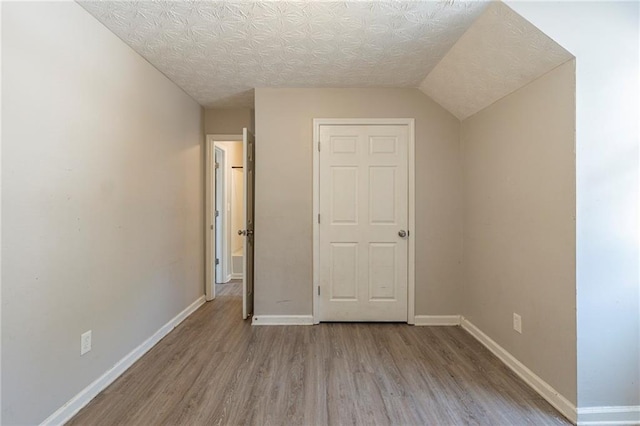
x=433 y=320
x=75 y=404
x=282 y=320
x=629 y=415
x=552 y=396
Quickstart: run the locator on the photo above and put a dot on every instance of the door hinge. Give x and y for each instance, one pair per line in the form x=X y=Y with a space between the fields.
x=318 y=217
x=212 y=227
x=217 y=213
x=217 y=261
x=318 y=146
x=217 y=165
x=318 y=290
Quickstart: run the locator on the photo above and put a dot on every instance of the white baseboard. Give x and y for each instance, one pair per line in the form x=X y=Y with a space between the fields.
x=282 y=320
x=437 y=320
x=629 y=415
x=236 y=276
x=75 y=404
x=552 y=396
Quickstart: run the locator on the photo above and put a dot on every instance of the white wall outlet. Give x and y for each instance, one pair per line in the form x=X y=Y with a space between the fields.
x=517 y=323
x=85 y=342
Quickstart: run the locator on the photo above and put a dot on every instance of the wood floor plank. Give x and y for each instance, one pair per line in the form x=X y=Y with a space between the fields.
x=231 y=288
x=216 y=369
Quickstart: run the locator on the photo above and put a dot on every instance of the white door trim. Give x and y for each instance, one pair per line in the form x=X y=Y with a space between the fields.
x=210 y=184
x=222 y=196
x=410 y=123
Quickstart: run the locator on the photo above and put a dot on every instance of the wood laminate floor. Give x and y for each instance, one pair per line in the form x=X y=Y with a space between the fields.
x=232 y=288
x=216 y=369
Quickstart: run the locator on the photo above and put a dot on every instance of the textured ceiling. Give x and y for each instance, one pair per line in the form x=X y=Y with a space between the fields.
x=218 y=52
x=500 y=53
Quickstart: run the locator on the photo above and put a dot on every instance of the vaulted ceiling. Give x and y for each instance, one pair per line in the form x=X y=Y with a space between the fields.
x=500 y=53
x=219 y=51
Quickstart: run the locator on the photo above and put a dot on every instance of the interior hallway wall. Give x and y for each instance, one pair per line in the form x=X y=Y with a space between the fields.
x=519 y=225
x=102 y=203
x=284 y=163
x=228 y=121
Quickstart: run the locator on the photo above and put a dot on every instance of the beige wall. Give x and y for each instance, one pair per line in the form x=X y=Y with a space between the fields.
x=519 y=225
x=228 y=121
x=283 y=228
x=605 y=39
x=102 y=211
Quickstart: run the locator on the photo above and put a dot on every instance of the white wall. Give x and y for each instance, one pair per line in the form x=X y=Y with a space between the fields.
x=102 y=210
x=284 y=223
x=519 y=225
x=604 y=37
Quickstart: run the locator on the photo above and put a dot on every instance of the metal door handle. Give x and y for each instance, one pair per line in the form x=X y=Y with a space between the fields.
x=402 y=233
x=242 y=232
x=247 y=232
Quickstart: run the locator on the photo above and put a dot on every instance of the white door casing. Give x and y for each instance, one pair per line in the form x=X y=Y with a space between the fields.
x=220 y=215
x=363 y=194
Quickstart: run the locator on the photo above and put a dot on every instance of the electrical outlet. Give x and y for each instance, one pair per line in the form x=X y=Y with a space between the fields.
x=517 y=323
x=85 y=342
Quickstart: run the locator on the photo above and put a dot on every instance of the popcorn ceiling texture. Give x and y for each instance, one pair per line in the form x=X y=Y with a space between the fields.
x=218 y=52
x=500 y=53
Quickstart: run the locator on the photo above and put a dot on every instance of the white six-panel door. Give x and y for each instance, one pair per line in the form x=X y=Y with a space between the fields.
x=363 y=205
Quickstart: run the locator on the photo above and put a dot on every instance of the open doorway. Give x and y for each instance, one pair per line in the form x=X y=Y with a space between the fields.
x=229 y=207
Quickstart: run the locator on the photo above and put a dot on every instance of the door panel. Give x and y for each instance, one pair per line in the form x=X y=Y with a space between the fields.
x=382 y=206
x=248 y=145
x=382 y=271
x=344 y=198
x=363 y=206
x=344 y=271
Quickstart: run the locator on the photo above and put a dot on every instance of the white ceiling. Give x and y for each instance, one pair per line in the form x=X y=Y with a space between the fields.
x=500 y=53
x=219 y=51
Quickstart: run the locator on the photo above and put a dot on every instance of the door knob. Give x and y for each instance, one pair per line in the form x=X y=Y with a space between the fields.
x=402 y=233
x=242 y=232
x=247 y=232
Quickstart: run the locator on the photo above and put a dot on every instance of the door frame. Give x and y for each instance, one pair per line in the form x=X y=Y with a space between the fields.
x=210 y=220
x=222 y=196
x=411 y=278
